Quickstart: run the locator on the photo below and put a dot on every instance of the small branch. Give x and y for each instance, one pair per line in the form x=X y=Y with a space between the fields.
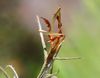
x=43 y=45
x=66 y=58
x=42 y=38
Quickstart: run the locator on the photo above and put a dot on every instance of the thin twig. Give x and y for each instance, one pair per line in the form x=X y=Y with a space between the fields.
x=66 y=58
x=44 y=47
x=42 y=38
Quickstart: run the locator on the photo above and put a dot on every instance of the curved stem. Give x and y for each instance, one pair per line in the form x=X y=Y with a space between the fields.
x=5 y=73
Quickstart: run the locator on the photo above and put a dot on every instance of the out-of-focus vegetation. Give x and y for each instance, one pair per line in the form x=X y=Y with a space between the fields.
x=85 y=35
x=18 y=46
x=22 y=48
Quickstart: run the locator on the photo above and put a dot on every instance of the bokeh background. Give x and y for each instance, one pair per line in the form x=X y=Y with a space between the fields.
x=20 y=43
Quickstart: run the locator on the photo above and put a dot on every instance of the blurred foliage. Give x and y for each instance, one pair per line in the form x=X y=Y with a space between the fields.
x=85 y=43
x=8 y=5
x=18 y=46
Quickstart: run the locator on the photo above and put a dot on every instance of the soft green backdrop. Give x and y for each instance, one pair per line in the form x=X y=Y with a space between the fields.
x=84 y=43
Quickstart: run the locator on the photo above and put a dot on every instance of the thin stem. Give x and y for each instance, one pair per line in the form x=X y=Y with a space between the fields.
x=66 y=58
x=42 y=38
x=44 y=47
x=12 y=68
x=5 y=73
x=42 y=70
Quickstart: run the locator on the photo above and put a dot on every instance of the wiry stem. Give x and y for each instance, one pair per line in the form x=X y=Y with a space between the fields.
x=42 y=38
x=12 y=68
x=66 y=58
x=44 y=46
x=5 y=73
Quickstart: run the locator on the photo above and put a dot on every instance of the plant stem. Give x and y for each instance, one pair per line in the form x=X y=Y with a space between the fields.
x=5 y=73
x=42 y=38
